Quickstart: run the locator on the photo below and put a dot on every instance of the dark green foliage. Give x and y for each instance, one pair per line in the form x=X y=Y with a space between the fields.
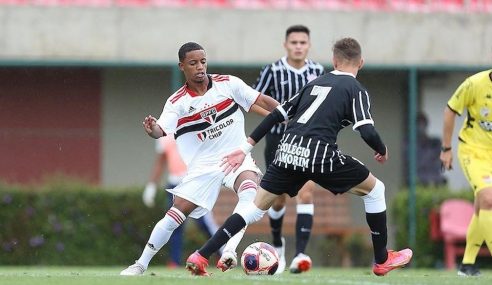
x=427 y=253
x=75 y=224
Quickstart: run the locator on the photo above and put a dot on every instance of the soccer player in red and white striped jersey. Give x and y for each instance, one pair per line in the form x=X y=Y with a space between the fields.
x=205 y=118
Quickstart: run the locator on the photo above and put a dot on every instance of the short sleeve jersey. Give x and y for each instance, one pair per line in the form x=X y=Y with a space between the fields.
x=317 y=114
x=475 y=94
x=209 y=126
x=281 y=81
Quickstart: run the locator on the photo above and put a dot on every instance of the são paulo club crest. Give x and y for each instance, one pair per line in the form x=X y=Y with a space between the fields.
x=209 y=115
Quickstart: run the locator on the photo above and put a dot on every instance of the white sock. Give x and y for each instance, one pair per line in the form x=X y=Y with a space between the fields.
x=307 y=209
x=374 y=202
x=160 y=234
x=246 y=195
x=275 y=215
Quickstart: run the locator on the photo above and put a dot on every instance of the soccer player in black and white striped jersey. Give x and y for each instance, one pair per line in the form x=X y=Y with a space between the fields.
x=309 y=151
x=281 y=80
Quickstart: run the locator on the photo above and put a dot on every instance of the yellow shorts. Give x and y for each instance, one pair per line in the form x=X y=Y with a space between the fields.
x=476 y=165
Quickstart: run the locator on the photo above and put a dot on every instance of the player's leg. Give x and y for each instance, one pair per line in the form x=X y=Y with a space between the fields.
x=176 y=239
x=304 y=224
x=278 y=181
x=277 y=210
x=484 y=197
x=276 y=217
x=161 y=233
x=372 y=192
x=198 y=261
x=245 y=185
x=474 y=170
x=479 y=230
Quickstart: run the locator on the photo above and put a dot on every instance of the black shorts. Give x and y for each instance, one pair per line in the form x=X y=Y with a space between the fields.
x=271 y=145
x=343 y=177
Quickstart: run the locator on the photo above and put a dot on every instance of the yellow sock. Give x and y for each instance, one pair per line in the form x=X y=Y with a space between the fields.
x=485 y=223
x=474 y=240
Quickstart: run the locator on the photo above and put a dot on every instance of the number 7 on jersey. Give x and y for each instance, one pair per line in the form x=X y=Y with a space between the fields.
x=321 y=92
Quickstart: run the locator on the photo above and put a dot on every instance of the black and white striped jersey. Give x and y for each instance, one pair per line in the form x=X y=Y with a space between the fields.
x=316 y=115
x=281 y=81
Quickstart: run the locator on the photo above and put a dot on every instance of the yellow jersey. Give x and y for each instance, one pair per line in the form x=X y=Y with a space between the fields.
x=475 y=94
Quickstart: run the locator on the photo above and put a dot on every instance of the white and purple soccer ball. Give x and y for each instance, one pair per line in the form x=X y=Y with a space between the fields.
x=259 y=258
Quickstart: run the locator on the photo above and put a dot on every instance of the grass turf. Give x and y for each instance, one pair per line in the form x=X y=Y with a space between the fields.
x=13 y=275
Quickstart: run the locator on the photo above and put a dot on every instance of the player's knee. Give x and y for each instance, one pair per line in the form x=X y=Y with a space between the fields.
x=279 y=203
x=374 y=201
x=251 y=213
x=305 y=196
x=244 y=176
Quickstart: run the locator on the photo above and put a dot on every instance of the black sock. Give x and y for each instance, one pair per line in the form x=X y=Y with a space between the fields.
x=304 y=224
x=276 y=226
x=231 y=226
x=379 y=234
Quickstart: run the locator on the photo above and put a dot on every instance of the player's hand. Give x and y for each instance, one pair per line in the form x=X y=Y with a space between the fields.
x=446 y=160
x=381 y=158
x=149 y=124
x=232 y=161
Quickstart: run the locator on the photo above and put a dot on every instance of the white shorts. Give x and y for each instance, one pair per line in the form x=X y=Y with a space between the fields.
x=202 y=187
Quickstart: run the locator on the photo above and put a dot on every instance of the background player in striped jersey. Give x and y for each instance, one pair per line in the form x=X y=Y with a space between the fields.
x=475 y=156
x=309 y=151
x=167 y=156
x=206 y=119
x=281 y=80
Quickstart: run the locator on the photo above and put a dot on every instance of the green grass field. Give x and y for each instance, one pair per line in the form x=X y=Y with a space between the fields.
x=155 y=275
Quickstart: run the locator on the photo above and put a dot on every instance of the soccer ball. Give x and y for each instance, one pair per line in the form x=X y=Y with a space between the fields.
x=259 y=258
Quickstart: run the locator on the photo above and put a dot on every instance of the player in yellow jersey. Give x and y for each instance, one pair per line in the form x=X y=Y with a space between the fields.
x=475 y=156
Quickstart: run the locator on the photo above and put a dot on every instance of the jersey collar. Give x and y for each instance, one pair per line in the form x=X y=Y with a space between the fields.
x=293 y=69
x=192 y=93
x=338 y=72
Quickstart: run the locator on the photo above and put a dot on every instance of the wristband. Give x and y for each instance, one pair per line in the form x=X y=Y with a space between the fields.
x=246 y=147
x=445 y=148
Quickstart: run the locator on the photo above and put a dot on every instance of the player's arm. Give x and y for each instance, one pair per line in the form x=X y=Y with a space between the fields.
x=264 y=105
x=461 y=99
x=374 y=141
x=259 y=110
x=232 y=161
x=447 y=132
x=152 y=128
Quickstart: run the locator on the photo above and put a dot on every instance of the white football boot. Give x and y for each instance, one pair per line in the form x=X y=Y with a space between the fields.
x=134 y=270
x=300 y=263
x=227 y=261
x=281 y=257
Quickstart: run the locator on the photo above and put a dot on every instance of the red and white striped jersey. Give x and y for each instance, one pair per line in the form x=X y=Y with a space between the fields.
x=210 y=126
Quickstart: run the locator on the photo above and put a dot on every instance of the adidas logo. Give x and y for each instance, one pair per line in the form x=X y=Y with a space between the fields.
x=191 y=109
x=151 y=246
